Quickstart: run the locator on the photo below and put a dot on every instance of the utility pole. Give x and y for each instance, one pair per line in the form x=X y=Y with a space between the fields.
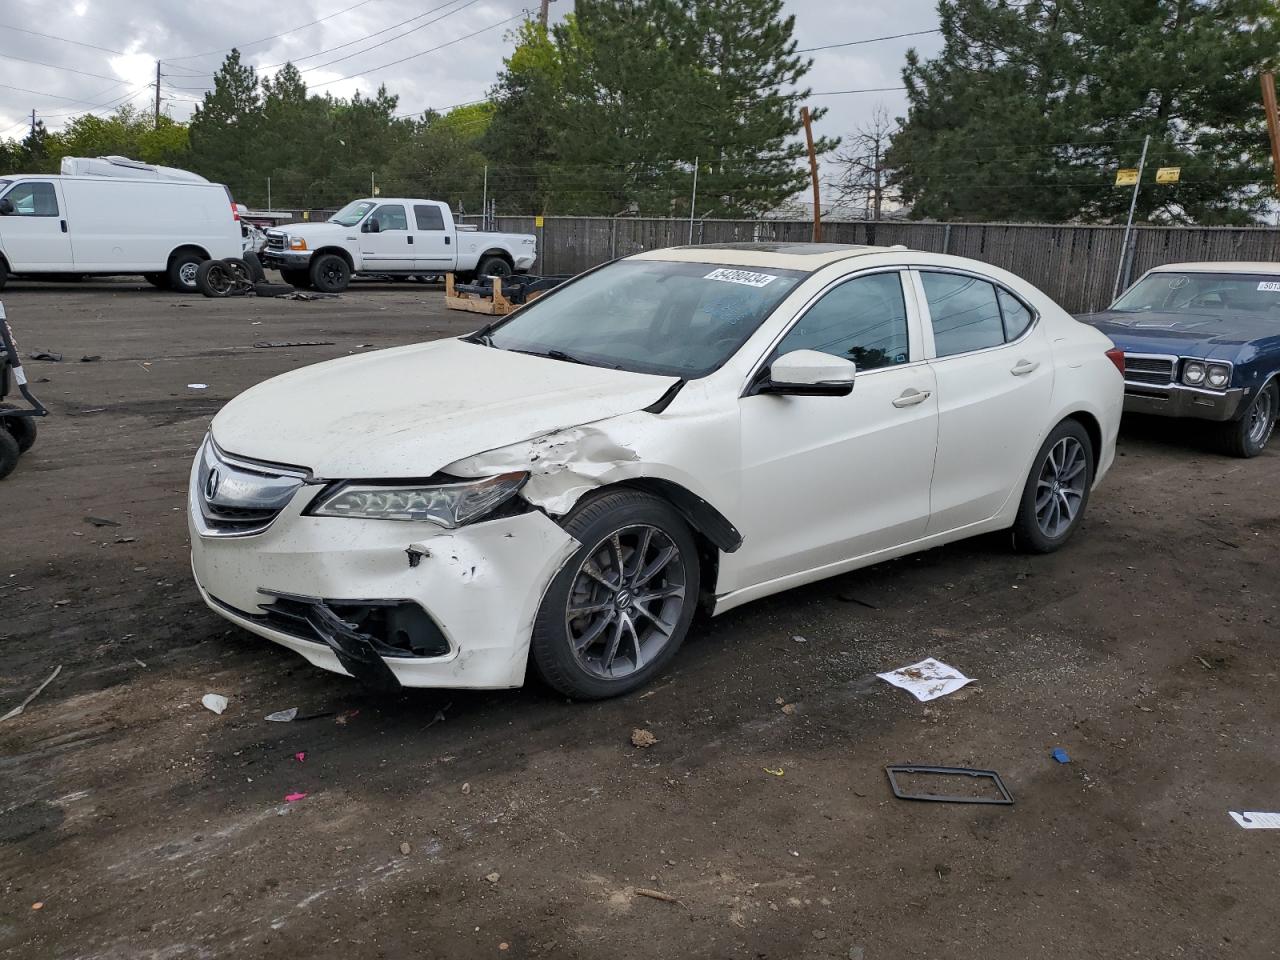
x=544 y=12
x=1273 y=123
x=484 y=201
x=1124 y=247
x=157 y=123
x=33 y=125
x=693 y=198
x=813 y=173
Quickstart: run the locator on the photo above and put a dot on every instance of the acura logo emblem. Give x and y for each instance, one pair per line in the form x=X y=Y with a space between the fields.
x=211 y=484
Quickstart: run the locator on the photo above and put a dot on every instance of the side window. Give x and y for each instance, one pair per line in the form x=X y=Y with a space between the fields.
x=964 y=311
x=390 y=216
x=33 y=199
x=1016 y=315
x=863 y=320
x=428 y=217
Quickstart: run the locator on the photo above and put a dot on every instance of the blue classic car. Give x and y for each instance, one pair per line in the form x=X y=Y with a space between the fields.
x=1202 y=340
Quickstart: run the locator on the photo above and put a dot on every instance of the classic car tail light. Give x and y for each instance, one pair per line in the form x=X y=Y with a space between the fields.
x=1116 y=356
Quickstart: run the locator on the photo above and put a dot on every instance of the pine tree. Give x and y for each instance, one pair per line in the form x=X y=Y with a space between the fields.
x=225 y=128
x=1029 y=109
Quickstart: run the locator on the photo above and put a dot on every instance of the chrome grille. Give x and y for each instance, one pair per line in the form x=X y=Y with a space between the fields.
x=275 y=240
x=231 y=497
x=1157 y=371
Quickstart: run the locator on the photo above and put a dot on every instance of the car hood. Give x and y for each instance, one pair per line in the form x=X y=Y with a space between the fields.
x=1209 y=335
x=322 y=229
x=409 y=411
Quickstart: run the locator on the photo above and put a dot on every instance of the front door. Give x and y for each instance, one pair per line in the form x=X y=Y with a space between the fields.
x=34 y=233
x=391 y=246
x=994 y=370
x=828 y=479
x=434 y=250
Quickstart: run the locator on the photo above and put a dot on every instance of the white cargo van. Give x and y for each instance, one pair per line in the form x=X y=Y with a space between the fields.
x=111 y=216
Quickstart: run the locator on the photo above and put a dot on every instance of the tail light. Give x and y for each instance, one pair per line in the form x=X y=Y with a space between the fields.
x=1116 y=356
x=235 y=212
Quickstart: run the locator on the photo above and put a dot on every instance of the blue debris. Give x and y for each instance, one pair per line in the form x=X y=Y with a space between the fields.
x=1060 y=755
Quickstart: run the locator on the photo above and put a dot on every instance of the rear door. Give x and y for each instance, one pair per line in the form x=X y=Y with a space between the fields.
x=994 y=372
x=433 y=246
x=35 y=232
x=391 y=247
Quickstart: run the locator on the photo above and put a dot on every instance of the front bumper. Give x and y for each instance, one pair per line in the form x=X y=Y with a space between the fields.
x=481 y=584
x=285 y=259
x=1176 y=400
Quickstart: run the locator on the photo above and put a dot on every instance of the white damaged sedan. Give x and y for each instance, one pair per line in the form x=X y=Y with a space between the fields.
x=685 y=428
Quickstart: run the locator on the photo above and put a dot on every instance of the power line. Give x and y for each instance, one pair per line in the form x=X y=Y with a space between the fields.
x=55 y=66
x=840 y=93
x=383 y=43
x=41 y=93
x=854 y=43
x=274 y=36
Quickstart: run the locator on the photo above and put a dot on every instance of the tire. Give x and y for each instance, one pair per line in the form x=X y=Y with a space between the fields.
x=9 y=453
x=4 y=274
x=182 y=271
x=158 y=280
x=494 y=267
x=1063 y=469
x=1248 y=436
x=22 y=429
x=330 y=273
x=621 y=518
x=296 y=278
x=256 y=273
x=215 y=279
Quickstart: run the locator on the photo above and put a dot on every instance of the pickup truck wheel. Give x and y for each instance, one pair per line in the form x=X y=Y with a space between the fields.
x=330 y=273
x=1248 y=436
x=22 y=429
x=158 y=280
x=182 y=271
x=493 y=267
x=296 y=278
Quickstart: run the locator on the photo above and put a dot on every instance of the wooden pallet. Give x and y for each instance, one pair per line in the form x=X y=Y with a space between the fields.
x=497 y=305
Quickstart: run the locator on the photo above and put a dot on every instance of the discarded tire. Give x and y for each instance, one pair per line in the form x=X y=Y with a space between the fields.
x=214 y=279
x=22 y=429
x=9 y=453
x=256 y=273
x=239 y=270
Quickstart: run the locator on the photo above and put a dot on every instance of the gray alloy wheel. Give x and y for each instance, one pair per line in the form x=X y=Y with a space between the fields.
x=1248 y=436
x=1060 y=487
x=625 y=602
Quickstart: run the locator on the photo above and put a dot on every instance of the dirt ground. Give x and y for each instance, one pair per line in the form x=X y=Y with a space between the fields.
x=134 y=823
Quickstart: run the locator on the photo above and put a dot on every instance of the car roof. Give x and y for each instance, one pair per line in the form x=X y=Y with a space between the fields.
x=781 y=256
x=1222 y=266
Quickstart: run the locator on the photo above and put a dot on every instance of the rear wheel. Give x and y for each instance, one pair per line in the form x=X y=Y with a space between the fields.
x=330 y=273
x=22 y=429
x=158 y=280
x=617 y=612
x=1057 y=490
x=182 y=271
x=296 y=278
x=494 y=267
x=9 y=453
x=1248 y=436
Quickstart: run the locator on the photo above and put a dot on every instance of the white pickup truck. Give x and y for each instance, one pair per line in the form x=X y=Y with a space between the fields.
x=391 y=237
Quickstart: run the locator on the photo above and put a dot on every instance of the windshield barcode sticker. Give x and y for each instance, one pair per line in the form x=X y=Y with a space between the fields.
x=745 y=277
x=1271 y=286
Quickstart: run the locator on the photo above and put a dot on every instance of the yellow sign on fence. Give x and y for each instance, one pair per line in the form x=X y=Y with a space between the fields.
x=1126 y=177
x=1168 y=174
x=537 y=222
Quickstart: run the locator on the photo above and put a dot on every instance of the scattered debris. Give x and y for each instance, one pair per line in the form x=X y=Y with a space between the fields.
x=789 y=709
x=93 y=359
x=504 y=945
x=798 y=639
x=642 y=738
x=139 y=663
x=927 y=680
x=197 y=386
x=17 y=711
x=657 y=895
x=125 y=540
x=493 y=877
x=850 y=598
x=299 y=295
x=1205 y=663
x=271 y=344
x=282 y=716
x=1060 y=755
x=346 y=716
x=1256 y=820
x=893 y=770
x=776 y=771
x=215 y=702
x=101 y=522
x=45 y=355
x=300 y=756
x=294 y=797
x=38 y=905
x=466 y=789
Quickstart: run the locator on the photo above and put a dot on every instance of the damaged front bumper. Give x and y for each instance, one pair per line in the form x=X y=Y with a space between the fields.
x=392 y=603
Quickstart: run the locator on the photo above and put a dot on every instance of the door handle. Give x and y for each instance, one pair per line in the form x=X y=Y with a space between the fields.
x=64 y=225
x=447 y=241
x=410 y=238
x=911 y=397
x=1023 y=367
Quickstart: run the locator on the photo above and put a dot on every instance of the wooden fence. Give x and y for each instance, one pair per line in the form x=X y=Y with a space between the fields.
x=1076 y=265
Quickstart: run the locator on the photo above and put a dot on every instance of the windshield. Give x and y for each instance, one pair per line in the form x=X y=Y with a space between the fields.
x=1172 y=292
x=650 y=316
x=353 y=212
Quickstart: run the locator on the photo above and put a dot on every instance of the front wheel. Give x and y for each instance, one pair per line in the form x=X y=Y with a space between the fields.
x=330 y=273
x=1057 y=490
x=617 y=612
x=1248 y=436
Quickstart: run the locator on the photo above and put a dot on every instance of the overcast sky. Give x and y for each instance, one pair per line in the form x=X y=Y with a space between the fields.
x=191 y=40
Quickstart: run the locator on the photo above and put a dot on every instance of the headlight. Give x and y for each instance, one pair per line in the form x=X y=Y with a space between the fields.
x=448 y=504
x=1193 y=373
x=1218 y=375
x=297 y=243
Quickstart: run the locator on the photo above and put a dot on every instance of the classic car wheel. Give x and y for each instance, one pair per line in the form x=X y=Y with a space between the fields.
x=1248 y=436
x=619 y=609
x=1057 y=490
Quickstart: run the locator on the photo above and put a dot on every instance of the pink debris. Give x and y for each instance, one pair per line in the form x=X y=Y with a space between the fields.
x=293 y=797
x=300 y=756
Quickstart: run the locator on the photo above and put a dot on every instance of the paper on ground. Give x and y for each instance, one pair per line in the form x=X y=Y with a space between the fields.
x=215 y=702
x=1254 y=820
x=927 y=680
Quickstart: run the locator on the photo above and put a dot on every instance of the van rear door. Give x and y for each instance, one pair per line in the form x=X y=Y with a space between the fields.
x=33 y=227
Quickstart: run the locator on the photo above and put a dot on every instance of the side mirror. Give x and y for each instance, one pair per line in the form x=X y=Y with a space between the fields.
x=6 y=207
x=809 y=373
x=371 y=226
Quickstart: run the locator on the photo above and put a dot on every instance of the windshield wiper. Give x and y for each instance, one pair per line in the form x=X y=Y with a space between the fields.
x=555 y=355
